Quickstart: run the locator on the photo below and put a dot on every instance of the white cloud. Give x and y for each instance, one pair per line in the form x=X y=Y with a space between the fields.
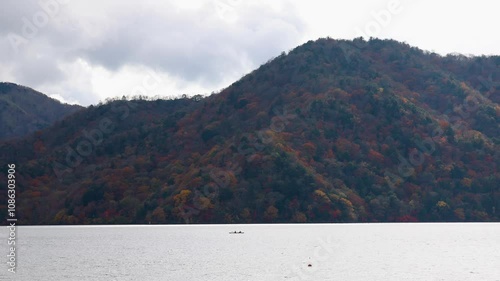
x=442 y=26
x=63 y=100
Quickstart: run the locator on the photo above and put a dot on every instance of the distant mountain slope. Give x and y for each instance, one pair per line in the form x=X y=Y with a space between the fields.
x=333 y=131
x=24 y=110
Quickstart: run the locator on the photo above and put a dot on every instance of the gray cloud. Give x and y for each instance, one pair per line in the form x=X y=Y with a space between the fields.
x=12 y=14
x=36 y=70
x=192 y=45
x=195 y=45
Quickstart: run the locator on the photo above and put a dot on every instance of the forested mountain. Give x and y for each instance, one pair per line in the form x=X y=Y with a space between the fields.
x=332 y=131
x=24 y=110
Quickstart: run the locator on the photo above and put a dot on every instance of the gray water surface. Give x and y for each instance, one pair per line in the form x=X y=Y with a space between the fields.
x=264 y=252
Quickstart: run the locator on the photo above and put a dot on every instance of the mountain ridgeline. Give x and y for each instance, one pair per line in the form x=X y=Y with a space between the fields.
x=332 y=131
x=24 y=111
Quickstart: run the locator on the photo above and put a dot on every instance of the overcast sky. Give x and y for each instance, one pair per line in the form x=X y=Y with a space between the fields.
x=85 y=51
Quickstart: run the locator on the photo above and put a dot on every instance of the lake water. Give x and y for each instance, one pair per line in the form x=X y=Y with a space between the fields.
x=264 y=252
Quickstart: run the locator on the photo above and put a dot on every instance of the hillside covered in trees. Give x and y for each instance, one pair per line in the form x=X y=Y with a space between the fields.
x=24 y=111
x=332 y=131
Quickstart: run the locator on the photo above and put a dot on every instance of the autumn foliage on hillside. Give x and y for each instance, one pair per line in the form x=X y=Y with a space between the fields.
x=24 y=111
x=333 y=131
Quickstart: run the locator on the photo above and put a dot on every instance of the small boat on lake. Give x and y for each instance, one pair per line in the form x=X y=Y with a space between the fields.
x=236 y=232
